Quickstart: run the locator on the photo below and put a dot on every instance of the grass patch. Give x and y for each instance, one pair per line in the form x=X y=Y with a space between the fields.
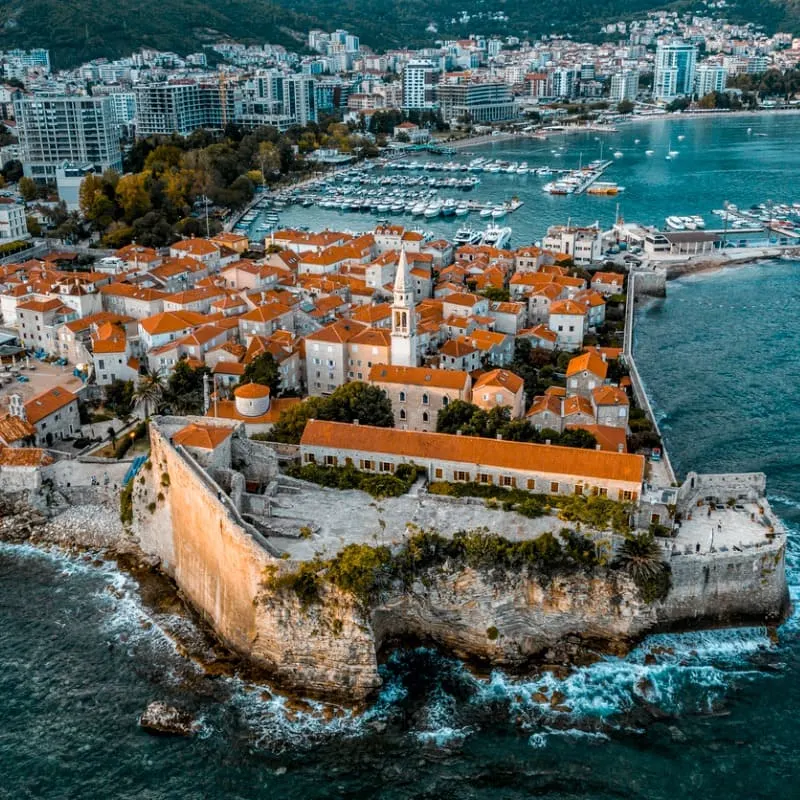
x=348 y=477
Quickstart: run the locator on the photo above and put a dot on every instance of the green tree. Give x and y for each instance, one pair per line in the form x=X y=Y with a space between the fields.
x=120 y=397
x=184 y=392
x=625 y=107
x=263 y=369
x=352 y=401
x=149 y=392
x=640 y=556
x=28 y=189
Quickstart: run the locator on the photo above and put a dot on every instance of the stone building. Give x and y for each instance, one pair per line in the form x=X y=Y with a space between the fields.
x=534 y=467
x=54 y=414
x=419 y=393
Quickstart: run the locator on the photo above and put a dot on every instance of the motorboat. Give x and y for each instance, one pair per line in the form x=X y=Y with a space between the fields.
x=495 y=236
x=467 y=235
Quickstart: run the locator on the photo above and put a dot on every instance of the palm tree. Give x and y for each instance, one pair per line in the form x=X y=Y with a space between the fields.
x=641 y=557
x=149 y=391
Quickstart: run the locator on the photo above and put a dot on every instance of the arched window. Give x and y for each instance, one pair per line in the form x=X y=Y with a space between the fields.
x=402 y=413
x=425 y=399
x=445 y=401
x=402 y=397
x=424 y=416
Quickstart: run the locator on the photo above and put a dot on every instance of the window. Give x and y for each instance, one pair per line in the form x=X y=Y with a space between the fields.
x=554 y=487
x=603 y=492
x=484 y=477
x=366 y=464
x=402 y=397
x=101 y=363
x=425 y=399
x=424 y=416
x=310 y=458
x=531 y=484
x=459 y=475
x=330 y=461
x=445 y=401
x=622 y=411
x=437 y=473
x=387 y=466
x=402 y=413
x=508 y=480
x=579 y=489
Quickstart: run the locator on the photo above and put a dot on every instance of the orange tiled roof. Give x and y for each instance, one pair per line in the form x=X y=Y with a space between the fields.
x=521 y=456
x=453 y=379
x=24 y=457
x=204 y=437
x=172 y=321
x=252 y=391
x=46 y=403
x=12 y=429
x=609 y=396
x=500 y=378
x=588 y=361
x=610 y=439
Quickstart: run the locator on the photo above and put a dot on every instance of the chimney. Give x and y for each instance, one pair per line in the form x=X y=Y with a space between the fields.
x=597 y=447
x=499 y=437
x=458 y=432
x=355 y=422
x=547 y=441
x=620 y=448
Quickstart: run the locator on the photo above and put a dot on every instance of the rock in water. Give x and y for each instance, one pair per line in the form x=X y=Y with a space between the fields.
x=165 y=720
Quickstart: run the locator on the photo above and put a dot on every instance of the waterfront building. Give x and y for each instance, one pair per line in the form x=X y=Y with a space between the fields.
x=674 y=70
x=491 y=101
x=624 y=85
x=540 y=468
x=53 y=129
x=583 y=245
x=419 y=82
x=563 y=82
x=710 y=78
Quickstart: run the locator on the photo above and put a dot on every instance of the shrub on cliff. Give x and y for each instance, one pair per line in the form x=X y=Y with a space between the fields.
x=126 y=504
x=640 y=556
x=348 y=477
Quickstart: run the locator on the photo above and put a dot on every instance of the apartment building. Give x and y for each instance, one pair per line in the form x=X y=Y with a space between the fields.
x=181 y=107
x=473 y=102
x=275 y=98
x=53 y=129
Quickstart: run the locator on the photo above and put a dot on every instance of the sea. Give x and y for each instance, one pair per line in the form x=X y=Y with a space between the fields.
x=710 y=714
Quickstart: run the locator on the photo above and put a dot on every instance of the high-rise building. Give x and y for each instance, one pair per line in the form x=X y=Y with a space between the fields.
x=182 y=107
x=419 y=81
x=674 y=70
x=563 y=83
x=624 y=85
x=710 y=78
x=275 y=98
x=53 y=129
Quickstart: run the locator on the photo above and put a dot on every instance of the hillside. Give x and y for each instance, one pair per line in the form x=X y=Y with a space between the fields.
x=78 y=30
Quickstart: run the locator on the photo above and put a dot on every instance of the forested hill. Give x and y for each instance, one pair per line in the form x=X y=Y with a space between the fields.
x=78 y=30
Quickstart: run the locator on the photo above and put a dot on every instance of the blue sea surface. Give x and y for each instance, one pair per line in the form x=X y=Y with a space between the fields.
x=710 y=714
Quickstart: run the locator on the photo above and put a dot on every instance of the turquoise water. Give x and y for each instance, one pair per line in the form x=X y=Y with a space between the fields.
x=717 y=161
x=714 y=716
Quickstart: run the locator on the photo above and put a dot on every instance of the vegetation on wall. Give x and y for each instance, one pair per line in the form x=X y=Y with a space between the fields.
x=368 y=572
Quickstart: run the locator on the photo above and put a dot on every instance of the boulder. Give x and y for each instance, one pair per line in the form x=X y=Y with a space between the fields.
x=162 y=719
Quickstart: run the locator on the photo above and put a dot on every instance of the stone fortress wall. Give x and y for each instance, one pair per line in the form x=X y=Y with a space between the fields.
x=331 y=649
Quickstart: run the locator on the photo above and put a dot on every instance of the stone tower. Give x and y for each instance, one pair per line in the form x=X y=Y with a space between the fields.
x=404 y=324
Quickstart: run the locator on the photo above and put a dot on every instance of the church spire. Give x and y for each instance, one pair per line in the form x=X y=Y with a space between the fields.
x=402 y=281
x=404 y=328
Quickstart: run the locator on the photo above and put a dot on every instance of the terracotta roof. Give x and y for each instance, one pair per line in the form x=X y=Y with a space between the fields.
x=24 y=457
x=46 y=403
x=567 y=307
x=172 y=321
x=252 y=391
x=339 y=331
x=134 y=292
x=228 y=368
x=521 y=456
x=540 y=332
x=610 y=353
x=588 y=361
x=372 y=313
x=204 y=437
x=195 y=247
x=53 y=304
x=577 y=404
x=109 y=338
x=419 y=376
x=266 y=313
x=610 y=439
x=12 y=429
x=545 y=402
x=456 y=348
x=500 y=378
x=609 y=396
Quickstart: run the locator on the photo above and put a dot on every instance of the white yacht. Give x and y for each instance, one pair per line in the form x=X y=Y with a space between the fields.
x=467 y=235
x=495 y=236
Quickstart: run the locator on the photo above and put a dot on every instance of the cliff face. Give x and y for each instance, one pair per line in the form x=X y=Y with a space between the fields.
x=330 y=648
x=513 y=620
